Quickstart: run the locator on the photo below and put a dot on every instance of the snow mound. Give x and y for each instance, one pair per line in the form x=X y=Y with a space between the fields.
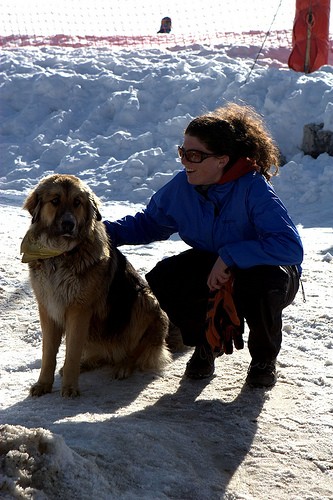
x=35 y=463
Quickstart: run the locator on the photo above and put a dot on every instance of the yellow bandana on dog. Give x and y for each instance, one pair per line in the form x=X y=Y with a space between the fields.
x=34 y=249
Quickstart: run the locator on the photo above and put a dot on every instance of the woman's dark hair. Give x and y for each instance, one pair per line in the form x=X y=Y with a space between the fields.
x=237 y=131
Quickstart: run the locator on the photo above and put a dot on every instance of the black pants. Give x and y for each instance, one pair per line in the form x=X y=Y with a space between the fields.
x=260 y=294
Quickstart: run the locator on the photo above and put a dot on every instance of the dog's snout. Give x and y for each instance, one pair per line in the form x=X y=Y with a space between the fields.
x=67 y=224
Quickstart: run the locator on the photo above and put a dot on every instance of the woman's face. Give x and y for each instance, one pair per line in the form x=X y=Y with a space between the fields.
x=208 y=171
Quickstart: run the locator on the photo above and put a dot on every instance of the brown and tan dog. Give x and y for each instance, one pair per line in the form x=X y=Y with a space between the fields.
x=87 y=290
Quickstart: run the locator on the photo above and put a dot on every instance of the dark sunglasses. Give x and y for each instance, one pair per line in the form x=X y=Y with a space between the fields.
x=193 y=155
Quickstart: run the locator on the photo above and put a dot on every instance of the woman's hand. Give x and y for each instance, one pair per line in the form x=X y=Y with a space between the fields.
x=218 y=275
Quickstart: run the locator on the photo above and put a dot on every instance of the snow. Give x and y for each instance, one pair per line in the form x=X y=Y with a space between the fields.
x=114 y=118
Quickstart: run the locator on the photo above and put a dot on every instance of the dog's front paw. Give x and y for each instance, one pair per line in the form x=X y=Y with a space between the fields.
x=39 y=389
x=68 y=391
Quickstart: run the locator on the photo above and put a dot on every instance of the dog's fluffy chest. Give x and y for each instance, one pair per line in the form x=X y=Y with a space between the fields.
x=58 y=284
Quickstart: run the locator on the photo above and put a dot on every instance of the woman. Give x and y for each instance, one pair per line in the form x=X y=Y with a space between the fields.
x=224 y=207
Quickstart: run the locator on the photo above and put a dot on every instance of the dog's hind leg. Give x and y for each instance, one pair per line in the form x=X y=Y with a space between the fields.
x=153 y=356
x=151 y=352
x=51 y=338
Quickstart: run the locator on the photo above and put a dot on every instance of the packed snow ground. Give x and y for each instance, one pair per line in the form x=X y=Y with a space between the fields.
x=115 y=119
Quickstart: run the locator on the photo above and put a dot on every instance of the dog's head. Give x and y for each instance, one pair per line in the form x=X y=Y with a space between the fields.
x=63 y=207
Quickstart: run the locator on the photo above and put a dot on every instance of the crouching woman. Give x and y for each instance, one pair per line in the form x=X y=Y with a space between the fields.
x=224 y=207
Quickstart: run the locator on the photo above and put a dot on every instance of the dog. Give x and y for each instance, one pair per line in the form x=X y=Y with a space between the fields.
x=87 y=290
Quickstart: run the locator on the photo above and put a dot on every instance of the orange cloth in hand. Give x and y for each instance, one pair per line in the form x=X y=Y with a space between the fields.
x=223 y=326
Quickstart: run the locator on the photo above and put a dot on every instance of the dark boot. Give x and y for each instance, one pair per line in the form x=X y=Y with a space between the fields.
x=201 y=364
x=262 y=374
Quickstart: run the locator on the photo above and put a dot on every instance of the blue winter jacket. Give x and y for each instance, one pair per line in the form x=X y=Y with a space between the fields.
x=243 y=221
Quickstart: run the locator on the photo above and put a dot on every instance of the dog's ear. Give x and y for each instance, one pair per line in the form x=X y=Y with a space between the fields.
x=98 y=214
x=33 y=204
x=94 y=202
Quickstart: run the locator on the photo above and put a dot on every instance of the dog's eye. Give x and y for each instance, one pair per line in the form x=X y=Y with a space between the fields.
x=76 y=202
x=55 y=202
